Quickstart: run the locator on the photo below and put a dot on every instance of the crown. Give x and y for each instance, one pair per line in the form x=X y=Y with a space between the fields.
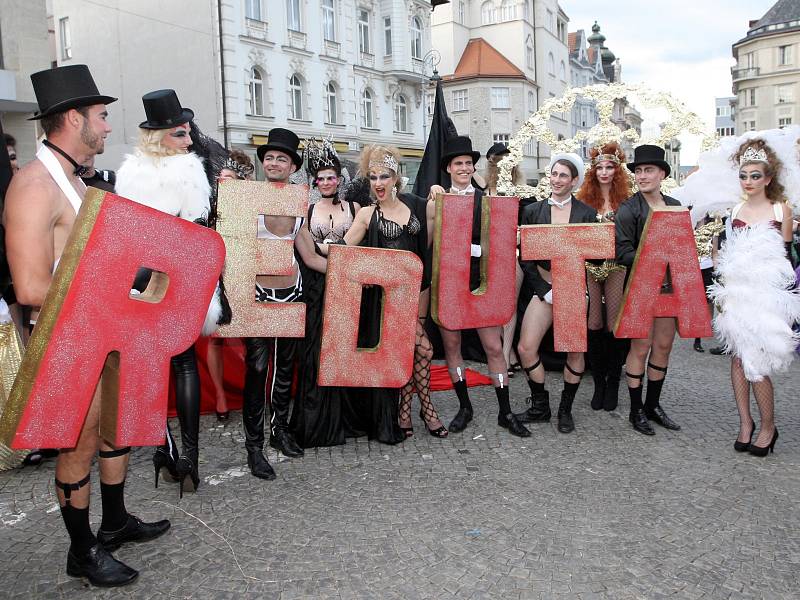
x=753 y=155
x=387 y=162
x=320 y=154
x=601 y=157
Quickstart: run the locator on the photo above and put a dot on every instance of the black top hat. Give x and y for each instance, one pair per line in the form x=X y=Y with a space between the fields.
x=60 y=89
x=164 y=110
x=282 y=140
x=459 y=145
x=497 y=149
x=647 y=154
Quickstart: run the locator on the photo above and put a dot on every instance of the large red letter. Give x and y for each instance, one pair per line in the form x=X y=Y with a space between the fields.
x=89 y=313
x=568 y=247
x=667 y=241
x=453 y=305
x=389 y=364
x=240 y=203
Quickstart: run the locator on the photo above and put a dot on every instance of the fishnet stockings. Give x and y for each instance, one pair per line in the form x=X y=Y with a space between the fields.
x=765 y=399
x=609 y=293
x=420 y=383
x=741 y=392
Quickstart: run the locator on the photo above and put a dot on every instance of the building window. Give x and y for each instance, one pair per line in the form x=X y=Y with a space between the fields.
x=562 y=31
x=551 y=64
x=363 y=31
x=562 y=71
x=500 y=97
x=367 y=119
x=430 y=103
x=331 y=104
x=488 y=13
x=295 y=97
x=66 y=38
x=462 y=12
x=723 y=111
x=256 y=93
x=416 y=38
x=531 y=102
x=784 y=122
x=750 y=60
x=752 y=125
x=400 y=114
x=508 y=10
x=501 y=138
x=253 y=9
x=550 y=23
x=529 y=56
x=387 y=36
x=460 y=100
x=784 y=93
x=293 y=21
x=751 y=93
x=328 y=21
x=784 y=55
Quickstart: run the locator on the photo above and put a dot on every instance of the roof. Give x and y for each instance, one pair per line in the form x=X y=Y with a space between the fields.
x=572 y=41
x=481 y=60
x=782 y=11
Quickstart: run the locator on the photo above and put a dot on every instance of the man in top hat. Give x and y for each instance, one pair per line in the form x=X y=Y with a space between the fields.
x=566 y=171
x=459 y=161
x=649 y=169
x=280 y=159
x=41 y=207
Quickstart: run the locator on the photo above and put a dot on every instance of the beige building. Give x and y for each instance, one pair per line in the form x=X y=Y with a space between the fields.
x=766 y=77
x=24 y=50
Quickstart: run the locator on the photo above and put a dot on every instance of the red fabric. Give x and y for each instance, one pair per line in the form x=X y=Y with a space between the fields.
x=233 y=371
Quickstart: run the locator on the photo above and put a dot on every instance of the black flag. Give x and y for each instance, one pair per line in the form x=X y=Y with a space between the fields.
x=5 y=179
x=442 y=128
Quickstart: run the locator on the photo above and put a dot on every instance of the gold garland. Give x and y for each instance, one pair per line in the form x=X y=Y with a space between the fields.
x=604 y=96
x=704 y=235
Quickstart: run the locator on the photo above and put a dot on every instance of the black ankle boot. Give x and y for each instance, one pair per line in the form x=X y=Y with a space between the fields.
x=259 y=465
x=597 y=352
x=539 y=410
x=565 y=422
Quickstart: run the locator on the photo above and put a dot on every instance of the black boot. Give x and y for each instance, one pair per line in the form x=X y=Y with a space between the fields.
x=597 y=352
x=617 y=353
x=539 y=410
x=259 y=465
x=464 y=414
x=165 y=459
x=187 y=404
x=565 y=422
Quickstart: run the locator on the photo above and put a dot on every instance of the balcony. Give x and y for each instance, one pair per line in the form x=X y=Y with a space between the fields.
x=746 y=73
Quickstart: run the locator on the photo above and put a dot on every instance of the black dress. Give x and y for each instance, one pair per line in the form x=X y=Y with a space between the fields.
x=317 y=415
x=374 y=411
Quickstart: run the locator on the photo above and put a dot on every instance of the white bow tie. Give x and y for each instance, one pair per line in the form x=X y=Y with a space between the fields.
x=553 y=202
x=467 y=192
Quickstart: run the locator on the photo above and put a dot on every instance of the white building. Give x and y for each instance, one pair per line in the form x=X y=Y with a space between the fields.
x=499 y=60
x=724 y=121
x=351 y=69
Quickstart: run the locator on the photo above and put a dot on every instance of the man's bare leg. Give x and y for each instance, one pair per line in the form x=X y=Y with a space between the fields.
x=538 y=318
x=663 y=338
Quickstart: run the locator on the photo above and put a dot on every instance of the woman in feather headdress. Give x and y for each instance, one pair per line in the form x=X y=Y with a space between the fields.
x=755 y=295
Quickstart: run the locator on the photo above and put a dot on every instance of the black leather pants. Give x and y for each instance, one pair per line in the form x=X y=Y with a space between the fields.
x=259 y=354
x=187 y=400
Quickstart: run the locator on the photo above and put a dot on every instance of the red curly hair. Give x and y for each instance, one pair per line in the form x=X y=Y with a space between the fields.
x=620 y=186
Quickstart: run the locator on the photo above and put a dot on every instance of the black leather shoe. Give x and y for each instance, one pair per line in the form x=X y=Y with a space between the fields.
x=283 y=441
x=565 y=422
x=658 y=416
x=698 y=347
x=718 y=351
x=259 y=466
x=100 y=568
x=539 y=410
x=135 y=530
x=461 y=420
x=513 y=425
x=640 y=422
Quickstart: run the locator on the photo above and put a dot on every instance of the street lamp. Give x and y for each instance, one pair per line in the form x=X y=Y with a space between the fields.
x=431 y=60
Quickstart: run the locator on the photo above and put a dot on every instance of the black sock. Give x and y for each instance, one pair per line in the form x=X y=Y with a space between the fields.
x=80 y=533
x=462 y=393
x=114 y=514
x=636 y=398
x=503 y=400
x=571 y=388
x=653 y=393
x=536 y=387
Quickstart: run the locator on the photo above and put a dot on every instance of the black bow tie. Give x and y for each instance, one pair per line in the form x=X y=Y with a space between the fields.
x=79 y=170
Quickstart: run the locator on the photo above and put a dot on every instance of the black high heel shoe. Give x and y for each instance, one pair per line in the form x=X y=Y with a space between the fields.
x=223 y=416
x=439 y=432
x=164 y=463
x=763 y=451
x=744 y=446
x=187 y=468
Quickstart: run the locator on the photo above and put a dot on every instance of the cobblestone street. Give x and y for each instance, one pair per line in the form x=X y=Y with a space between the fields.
x=602 y=513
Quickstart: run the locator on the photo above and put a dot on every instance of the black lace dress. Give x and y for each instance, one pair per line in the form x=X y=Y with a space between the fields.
x=373 y=411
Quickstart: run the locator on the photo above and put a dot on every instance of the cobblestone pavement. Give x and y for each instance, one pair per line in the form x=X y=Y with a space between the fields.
x=602 y=513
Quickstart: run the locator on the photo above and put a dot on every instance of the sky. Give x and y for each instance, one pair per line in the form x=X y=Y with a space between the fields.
x=681 y=46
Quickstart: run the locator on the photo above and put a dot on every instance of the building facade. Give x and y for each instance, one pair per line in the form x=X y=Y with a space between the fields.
x=24 y=50
x=767 y=71
x=724 y=120
x=350 y=69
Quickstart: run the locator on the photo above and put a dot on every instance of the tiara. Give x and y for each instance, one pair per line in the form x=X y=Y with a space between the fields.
x=387 y=162
x=601 y=157
x=242 y=171
x=753 y=155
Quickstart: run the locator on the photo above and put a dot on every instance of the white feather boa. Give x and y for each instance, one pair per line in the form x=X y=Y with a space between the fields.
x=757 y=301
x=176 y=185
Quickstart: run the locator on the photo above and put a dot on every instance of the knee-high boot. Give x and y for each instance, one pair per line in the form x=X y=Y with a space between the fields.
x=597 y=352
x=617 y=353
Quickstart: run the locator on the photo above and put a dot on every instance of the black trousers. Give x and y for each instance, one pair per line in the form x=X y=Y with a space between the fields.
x=265 y=356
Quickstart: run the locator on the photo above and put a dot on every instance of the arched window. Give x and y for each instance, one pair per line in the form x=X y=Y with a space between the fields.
x=416 y=38
x=562 y=71
x=551 y=64
x=531 y=102
x=400 y=113
x=508 y=10
x=529 y=56
x=488 y=13
x=367 y=116
x=331 y=106
x=256 y=92
x=295 y=97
